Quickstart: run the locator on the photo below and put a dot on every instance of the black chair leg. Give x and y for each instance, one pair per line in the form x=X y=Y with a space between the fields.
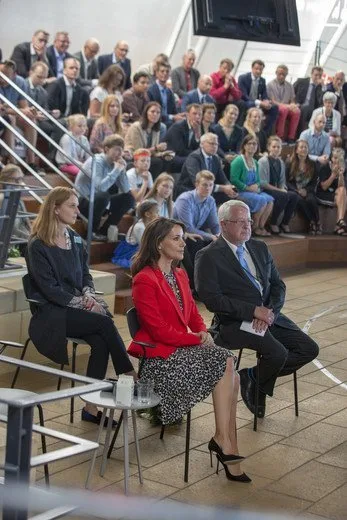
x=43 y=443
x=115 y=435
x=14 y=380
x=296 y=394
x=162 y=431
x=256 y=397
x=186 y=457
x=60 y=378
x=239 y=359
x=73 y=370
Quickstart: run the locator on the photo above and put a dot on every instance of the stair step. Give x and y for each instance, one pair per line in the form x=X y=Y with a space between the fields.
x=123 y=301
x=123 y=278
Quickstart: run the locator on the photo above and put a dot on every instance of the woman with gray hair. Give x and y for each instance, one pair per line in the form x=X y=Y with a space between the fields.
x=332 y=116
x=331 y=188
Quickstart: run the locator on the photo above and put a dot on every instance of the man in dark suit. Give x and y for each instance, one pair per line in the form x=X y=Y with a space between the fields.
x=254 y=94
x=118 y=57
x=56 y=54
x=163 y=95
x=89 y=72
x=185 y=78
x=199 y=95
x=26 y=54
x=183 y=137
x=206 y=158
x=308 y=95
x=237 y=279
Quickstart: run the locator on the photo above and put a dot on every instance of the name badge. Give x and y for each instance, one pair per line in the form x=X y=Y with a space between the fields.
x=77 y=240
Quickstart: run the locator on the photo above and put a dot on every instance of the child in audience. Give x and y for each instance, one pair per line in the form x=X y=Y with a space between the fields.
x=162 y=192
x=139 y=177
x=110 y=122
x=146 y=212
x=77 y=125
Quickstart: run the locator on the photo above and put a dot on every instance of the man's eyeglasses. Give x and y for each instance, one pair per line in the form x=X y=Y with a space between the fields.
x=248 y=222
x=123 y=50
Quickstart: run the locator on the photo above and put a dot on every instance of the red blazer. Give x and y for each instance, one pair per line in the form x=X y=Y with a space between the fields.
x=162 y=322
x=224 y=95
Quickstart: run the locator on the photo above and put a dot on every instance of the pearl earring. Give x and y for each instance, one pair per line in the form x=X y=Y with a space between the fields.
x=159 y=247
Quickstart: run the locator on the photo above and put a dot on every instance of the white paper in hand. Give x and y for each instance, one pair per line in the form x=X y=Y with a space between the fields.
x=247 y=326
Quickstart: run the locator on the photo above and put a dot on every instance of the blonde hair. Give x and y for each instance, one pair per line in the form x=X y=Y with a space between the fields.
x=247 y=123
x=204 y=174
x=45 y=226
x=75 y=119
x=8 y=170
x=228 y=109
x=154 y=191
x=114 y=122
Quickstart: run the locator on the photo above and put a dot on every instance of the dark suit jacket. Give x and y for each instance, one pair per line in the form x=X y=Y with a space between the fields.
x=193 y=97
x=179 y=83
x=245 y=84
x=22 y=58
x=194 y=163
x=93 y=71
x=47 y=327
x=227 y=291
x=231 y=144
x=154 y=95
x=105 y=60
x=57 y=98
x=177 y=139
x=39 y=94
x=301 y=88
x=52 y=61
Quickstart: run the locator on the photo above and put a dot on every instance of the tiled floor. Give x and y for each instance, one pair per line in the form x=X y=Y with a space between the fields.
x=298 y=465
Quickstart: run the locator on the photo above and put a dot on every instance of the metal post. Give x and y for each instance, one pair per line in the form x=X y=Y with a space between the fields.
x=18 y=453
x=8 y=214
x=317 y=53
x=91 y=208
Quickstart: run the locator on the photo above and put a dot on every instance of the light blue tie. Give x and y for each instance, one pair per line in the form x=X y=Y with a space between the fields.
x=209 y=164
x=241 y=256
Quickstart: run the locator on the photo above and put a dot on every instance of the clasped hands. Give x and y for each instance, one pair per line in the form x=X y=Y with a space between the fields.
x=206 y=339
x=263 y=318
x=90 y=304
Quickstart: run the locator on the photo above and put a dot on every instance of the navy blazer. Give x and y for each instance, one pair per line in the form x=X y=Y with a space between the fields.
x=57 y=98
x=194 y=163
x=105 y=60
x=52 y=61
x=154 y=95
x=301 y=87
x=193 y=97
x=245 y=84
x=22 y=58
x=177 y=139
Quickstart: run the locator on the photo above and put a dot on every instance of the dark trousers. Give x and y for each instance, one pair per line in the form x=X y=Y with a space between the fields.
x=283 y=350
x=158 y=165
x=101 y=334
x=309 y=207
x=120 y=203
x=285 y=202
x=271 y=116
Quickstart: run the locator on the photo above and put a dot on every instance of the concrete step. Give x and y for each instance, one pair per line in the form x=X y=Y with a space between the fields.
x=123 y=277
x=123 y=301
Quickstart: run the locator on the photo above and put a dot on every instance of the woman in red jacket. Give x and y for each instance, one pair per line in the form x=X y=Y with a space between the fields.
x=185 y=364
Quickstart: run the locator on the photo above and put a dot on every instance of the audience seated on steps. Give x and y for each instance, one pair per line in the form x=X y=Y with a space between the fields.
x=139 y=177
x=339 y=87
x=244 y=175
x=136 y=97
x=59 y=279
x=282 y=94
x=89 y=72
x=111 y=81
x=183 y=137
x=272 y=174
x=118 y=57
x=77 y=125
x=146 y=212
x=230 y=135
x=149 y=133
x=162 y=191
x=318 y=141
x=332 y=117
x=26 y=54
x=331 y=188
x=225 y=89
x=112 y=191
x=164 y=96
x=110 y=122
x=200 y=95
x=150 y=68
x=301 y=174
x=253 y=126
x=185 y=78
x=208 y=118
x=206 y=158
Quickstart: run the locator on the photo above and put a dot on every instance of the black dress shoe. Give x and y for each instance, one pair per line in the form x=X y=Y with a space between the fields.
x=247 y=389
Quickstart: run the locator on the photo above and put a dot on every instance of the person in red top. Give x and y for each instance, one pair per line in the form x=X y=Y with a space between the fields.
x=185 y=365
x=225 y=89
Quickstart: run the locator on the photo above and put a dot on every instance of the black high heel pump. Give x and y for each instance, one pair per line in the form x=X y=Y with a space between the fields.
x=226 y=459
x=236 y=478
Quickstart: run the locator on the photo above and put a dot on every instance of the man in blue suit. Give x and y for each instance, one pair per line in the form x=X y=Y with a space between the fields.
x=118 y=57
x=163 y=95
x=254 y=94
x=199 y=95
